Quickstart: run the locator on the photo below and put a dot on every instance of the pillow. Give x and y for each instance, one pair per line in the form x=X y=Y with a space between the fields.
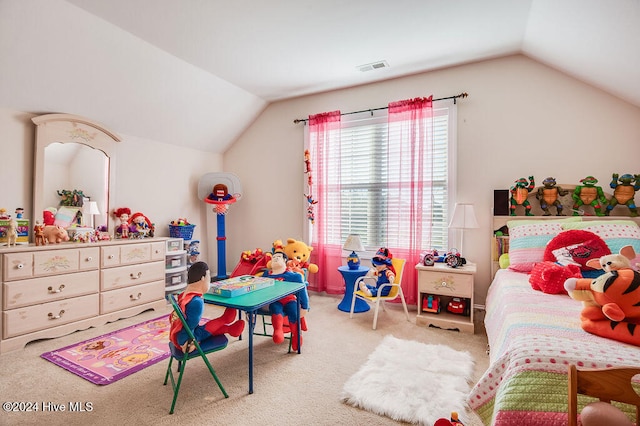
x=616 y=233
x=576 y=247
x=528 y=239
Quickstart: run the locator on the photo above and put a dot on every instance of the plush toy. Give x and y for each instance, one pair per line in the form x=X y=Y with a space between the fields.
x=140 y=225
x=55 y=234
x=287 y=305
x=577 y=247
x=613 y=262
x=452 y=421
x=624 y=189
x=49 y=216
x=122 y=214
x=611 y=302
x=549 y=277
x=298 y=253
x=519 y=193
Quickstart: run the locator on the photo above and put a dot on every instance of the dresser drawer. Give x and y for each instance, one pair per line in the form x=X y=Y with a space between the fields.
x=55 y=262
x=39 y=317
x=46 y=289
x=445 y=283
x=17 y=266
x=125 y=276
x=158 y=250
x=115 y=300
x=135 y=253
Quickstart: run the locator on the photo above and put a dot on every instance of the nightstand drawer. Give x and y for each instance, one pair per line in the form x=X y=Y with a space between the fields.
x=446 y=284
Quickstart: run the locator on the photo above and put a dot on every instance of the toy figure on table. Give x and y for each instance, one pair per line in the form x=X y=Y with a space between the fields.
x=122 y=230
x=588 y=194
x=19 y=213
x=287 y=305
x=549 y=194
x=383 y=273
x=12 y=233
x=624 y=189
x=192 y=305
x=519 y=193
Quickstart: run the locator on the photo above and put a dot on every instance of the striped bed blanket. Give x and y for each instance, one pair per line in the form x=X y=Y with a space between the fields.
x=533 y=337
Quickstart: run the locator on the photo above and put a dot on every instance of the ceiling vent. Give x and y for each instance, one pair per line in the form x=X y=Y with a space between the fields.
x=373 y=66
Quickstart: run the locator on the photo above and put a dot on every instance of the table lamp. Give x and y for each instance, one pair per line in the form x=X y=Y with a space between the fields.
x=91 y=209
x=464 y=217
x=354 y=244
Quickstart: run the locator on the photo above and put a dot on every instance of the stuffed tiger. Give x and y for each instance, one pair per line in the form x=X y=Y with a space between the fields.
x=611 y=304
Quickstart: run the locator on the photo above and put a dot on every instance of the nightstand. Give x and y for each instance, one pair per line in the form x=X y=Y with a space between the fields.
x=445 y=283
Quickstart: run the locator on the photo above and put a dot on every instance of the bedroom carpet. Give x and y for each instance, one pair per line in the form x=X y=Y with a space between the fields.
x=411 y=381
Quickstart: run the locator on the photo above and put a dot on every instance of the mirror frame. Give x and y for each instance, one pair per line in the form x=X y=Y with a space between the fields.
x=67 y=128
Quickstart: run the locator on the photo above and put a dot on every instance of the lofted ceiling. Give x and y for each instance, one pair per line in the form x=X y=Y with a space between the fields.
x=196 y=73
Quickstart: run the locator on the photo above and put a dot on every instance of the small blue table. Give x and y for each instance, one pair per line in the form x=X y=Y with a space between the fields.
x=350 y=276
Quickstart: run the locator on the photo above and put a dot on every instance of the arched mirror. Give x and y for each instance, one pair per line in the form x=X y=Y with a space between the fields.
x=74 y=157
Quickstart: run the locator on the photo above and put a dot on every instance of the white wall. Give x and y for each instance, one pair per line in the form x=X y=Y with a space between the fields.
x=521 y=118
x=157 y=179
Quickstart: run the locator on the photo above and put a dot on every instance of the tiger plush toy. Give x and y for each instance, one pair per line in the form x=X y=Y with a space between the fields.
x=611 y=304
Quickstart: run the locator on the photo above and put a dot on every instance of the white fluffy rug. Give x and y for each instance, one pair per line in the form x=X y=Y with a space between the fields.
x=411 y=381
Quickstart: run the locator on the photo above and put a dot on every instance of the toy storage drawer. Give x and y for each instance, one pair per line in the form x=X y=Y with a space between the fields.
x=47 y=289
x=115 y=300
x=47 y=315
x=446 y=284
x=17 y=266
x=125 y=276
x=176 y=277
x=176 y=260
x=175 y=244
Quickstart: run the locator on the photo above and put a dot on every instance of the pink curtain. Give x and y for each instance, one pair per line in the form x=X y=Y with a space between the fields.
x=324 y=144
x=410 y=180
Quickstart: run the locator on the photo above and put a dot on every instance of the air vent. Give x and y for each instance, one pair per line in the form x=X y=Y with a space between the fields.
x=373 y=66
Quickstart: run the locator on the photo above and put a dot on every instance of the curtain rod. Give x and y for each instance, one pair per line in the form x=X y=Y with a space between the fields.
x=461 y=95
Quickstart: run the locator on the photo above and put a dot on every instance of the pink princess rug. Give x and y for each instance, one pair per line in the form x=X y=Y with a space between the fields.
x=110 y=357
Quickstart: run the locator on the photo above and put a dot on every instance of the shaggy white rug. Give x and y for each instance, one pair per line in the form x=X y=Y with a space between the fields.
x=411 y=381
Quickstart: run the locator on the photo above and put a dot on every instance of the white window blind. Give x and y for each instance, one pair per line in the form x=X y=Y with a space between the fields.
x=358 y=193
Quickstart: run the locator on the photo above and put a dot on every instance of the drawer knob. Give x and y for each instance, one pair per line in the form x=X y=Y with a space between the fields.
x=55 y=317
x=89 y=259
x=111 y=256
x=20 y=265
x=136 y=276
x=133 y=298
x=59 y=290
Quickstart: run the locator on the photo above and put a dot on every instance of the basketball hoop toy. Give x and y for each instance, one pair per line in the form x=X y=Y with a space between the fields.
x=220 y=190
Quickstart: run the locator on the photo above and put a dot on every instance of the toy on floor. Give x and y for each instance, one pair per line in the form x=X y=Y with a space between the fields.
x=549 y=194
x=588 y=194
x=519 y=193
x=453 y=421
x=624 y=189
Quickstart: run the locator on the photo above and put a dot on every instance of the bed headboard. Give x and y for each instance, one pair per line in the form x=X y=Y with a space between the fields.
x=500 y=245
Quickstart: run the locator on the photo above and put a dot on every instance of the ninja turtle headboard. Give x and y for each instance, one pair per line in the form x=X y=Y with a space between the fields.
x=589 y=196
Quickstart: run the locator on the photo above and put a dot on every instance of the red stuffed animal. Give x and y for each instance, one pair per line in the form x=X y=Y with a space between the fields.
x=549 y=277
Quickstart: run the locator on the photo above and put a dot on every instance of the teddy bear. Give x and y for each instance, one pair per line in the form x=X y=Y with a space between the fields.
x=611 y=302
x=298 y=253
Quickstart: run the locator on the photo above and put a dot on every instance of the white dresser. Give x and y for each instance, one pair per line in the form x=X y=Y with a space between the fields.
x=49 y=291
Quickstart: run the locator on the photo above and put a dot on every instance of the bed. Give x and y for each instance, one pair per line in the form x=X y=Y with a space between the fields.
x=533 y=336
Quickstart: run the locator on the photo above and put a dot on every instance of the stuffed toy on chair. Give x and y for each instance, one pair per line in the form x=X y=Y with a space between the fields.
x=287 y=305
x=611 y=301
x=298 y=253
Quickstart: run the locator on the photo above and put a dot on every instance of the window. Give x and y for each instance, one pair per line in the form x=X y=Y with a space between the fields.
x=362 y=184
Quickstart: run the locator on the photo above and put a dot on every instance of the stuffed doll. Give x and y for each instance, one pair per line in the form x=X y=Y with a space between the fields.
x=611 y=302
x=287 y=305
x=122 y=214
x=382 y=272
x=192 y=305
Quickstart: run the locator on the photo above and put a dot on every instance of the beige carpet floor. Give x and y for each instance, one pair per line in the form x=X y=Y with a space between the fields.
x=289 y=389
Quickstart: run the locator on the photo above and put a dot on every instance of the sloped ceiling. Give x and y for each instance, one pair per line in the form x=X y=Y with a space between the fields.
x=196 y=73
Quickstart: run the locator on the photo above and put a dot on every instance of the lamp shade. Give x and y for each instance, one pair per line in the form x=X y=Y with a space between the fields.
x=353 y=243
x=92 y=208
x=464 y=217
